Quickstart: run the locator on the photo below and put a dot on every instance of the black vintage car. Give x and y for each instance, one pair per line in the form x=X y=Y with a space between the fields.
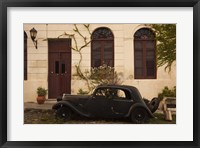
x=107 y=101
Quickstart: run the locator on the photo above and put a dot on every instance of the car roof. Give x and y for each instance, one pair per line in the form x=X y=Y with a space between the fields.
x=118 y=86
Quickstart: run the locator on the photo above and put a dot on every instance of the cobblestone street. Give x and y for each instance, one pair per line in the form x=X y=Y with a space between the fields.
x=43 y=114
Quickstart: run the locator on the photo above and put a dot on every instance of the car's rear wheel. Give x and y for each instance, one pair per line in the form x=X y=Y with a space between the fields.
x=139 y=115
x=64 y=113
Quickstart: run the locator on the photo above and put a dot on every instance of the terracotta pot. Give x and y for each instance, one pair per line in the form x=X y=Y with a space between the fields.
x=40 y=99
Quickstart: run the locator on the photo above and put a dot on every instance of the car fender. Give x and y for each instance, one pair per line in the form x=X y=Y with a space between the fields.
x=69 y=105
x=142 y=106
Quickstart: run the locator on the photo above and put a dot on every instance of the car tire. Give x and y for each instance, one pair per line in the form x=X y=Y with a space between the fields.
x=139 y=115
x=154 y=103
x=64 y=113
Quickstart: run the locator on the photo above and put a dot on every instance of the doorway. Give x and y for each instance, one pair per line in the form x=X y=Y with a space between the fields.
x=59 y=71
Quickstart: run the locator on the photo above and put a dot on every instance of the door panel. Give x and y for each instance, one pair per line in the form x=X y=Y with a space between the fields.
x=99 y=107
x=120 y=107
x=53 y=74
x=121 y=102
x=65 y=73
x=59 y=77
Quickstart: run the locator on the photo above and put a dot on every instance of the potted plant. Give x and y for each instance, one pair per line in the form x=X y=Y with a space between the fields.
x=42 y=92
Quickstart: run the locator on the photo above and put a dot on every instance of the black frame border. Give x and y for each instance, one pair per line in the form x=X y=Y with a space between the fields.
x=4 y=4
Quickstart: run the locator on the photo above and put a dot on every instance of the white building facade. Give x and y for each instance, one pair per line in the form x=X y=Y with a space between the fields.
x=129 y=48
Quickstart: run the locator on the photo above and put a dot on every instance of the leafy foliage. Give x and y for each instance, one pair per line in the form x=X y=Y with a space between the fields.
x=104 y=75
x=166 y=47
x=82 y=92
x=166 y=92
x=41 y=91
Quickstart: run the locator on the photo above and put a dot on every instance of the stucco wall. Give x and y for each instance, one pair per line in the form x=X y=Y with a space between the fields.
x=123 y=59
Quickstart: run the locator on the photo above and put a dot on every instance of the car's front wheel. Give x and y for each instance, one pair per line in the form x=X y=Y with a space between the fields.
x=139 y=115
x=64 y=113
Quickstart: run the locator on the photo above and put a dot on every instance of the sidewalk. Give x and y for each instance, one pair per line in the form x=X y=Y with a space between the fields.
x=47 y=105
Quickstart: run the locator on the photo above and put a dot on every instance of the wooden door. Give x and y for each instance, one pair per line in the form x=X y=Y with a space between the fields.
x=59 y=72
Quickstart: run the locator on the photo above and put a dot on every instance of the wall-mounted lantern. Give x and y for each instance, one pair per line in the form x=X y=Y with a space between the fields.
x=33 y=34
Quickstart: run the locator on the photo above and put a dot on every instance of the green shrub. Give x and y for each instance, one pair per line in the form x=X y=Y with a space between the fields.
x=104 y=75
x=41 y=91
x=166 y=92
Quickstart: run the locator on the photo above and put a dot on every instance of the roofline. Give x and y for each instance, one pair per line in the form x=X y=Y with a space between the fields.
x=113 y=85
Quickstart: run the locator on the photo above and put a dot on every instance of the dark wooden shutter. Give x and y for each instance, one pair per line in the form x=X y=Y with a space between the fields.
x=144 y=54
x=102 y=47
x=25 y=56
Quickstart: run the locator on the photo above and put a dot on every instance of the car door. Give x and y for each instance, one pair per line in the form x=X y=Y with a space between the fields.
x=99 y=104
x=120 y=102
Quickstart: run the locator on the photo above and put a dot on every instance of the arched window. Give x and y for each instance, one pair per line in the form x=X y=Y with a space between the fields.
x=144 y=54
x=102 y=47
x=25 y=56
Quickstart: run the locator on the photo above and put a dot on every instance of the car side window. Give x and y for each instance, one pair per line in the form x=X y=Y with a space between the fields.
x=100 y=92
x=113 y=93
x=104 y=92
x=121 y=94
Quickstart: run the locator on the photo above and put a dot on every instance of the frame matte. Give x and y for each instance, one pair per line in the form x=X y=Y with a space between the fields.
x=4 y=4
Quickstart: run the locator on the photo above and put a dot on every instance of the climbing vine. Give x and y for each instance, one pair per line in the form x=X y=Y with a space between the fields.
x=78 y=49
x=96 y=76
